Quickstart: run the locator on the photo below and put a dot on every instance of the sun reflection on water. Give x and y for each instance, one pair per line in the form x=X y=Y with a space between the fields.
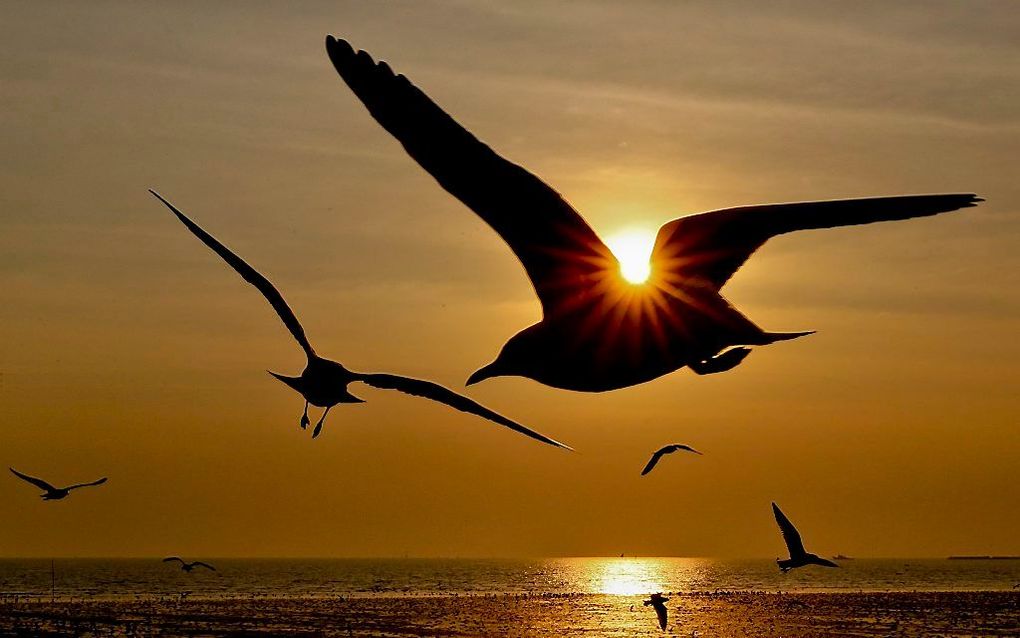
x=629 y=576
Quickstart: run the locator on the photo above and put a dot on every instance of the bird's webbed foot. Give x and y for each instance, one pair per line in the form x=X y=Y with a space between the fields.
x=304 y=417
x=721 y=362
x=318 y=426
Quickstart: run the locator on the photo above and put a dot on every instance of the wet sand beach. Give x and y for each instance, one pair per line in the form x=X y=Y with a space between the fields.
x=702 y=614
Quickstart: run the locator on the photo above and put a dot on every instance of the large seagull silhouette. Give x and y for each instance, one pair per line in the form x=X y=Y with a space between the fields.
x=323 y=382
x=599 y=332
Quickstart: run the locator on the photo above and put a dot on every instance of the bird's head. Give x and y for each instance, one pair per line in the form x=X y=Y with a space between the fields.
x=524 y=355
x=511 y=361
x=485 y=372
x=296 y=383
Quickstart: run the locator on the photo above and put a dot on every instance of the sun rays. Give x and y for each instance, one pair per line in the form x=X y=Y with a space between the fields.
x=633 y=249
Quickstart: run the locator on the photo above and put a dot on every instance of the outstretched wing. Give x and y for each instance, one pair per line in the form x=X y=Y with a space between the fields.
x=199 y=563
x=77 y=485
x=171 y=559
x=662 y=614
x=685 y=448
x=655 y=459
x=562 y=254
x=436 y=392
x=41 y=484
x=712 y=246
x=249 y=274
x=790 y=534
x=668 y=449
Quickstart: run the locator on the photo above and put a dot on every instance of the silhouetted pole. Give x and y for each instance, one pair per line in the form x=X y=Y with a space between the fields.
x=53 y=583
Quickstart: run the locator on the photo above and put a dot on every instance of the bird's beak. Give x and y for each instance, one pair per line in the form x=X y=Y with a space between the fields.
x=483 y=373
x=293 y=382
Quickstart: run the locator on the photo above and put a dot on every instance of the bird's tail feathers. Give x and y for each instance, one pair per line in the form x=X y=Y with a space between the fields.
x=786 y=336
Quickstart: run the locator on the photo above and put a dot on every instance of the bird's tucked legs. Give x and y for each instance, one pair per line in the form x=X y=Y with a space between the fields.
x=318 y=426
x=721 y=362
x=304 y=417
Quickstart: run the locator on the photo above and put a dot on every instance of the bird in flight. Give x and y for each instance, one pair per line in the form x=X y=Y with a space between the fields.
x=798 y=556
x=323 y=382
x=50 y=492
x=187 y=567
x=669 y=449
x=658 y=602
x=599 y=331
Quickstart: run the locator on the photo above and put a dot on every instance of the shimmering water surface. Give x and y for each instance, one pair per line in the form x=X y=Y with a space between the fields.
x=117 y=578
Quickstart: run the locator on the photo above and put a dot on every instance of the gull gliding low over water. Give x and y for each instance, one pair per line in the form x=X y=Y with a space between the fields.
x=323 y=382
x=658 y=603
x=799 y=557
x=598 y=331
x=52 y=493
x=186 y=566
x=669 y=449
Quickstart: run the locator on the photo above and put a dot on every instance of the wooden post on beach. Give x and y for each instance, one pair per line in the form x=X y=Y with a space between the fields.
x=53 y=583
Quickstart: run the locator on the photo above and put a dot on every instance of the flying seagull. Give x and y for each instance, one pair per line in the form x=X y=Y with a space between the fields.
x=52 y=493
x=599 y=332
x=658 y=602
x=669 y=449
x=187 y=567
x=798 y=556
x=323 y=382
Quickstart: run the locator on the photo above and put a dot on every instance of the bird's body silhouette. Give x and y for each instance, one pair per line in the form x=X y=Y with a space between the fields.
x=799 y=557
x=668 y=449
x=323 y=382
x=599 y=332
x=186 y=566
x=51 y=493
x=658 y=602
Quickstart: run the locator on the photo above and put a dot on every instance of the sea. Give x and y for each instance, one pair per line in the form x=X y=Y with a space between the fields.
x=132 y=578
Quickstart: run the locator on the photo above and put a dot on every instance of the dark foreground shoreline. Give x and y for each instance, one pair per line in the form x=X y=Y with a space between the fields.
x=707 y=614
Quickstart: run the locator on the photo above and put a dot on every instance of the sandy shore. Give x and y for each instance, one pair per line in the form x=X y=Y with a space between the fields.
x=721 y=614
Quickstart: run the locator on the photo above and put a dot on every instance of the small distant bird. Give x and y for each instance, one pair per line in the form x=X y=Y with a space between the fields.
x=658 y=602
x=598 y=332
x=53 y=493
x=324 y=382
x=669 y=449
x=798 y=556
x=186 y=566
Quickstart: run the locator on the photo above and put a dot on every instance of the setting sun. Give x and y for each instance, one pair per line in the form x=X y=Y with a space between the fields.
x=633 y=248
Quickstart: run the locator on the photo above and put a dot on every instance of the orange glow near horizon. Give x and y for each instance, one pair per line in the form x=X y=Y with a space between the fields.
x=128 y=350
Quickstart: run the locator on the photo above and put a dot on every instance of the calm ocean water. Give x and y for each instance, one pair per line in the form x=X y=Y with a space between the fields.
x=119 y=578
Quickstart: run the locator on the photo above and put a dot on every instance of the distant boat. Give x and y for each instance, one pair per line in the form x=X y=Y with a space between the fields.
x=842 y=557
x=984 y=558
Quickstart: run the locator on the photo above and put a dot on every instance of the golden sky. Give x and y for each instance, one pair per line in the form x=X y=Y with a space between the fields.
x=129 y=350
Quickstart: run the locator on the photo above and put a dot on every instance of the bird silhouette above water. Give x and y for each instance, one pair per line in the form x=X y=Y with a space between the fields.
x=668 y=449
x=799 y=557
x=658 y=602
x=186 y=566
x=598 y=332
x=323 y=382
x=50 y=492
